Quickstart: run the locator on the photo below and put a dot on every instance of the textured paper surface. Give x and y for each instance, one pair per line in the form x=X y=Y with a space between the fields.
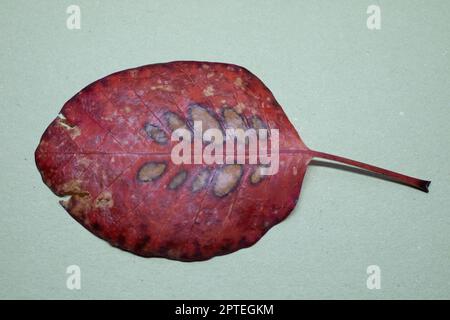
x=379 y=96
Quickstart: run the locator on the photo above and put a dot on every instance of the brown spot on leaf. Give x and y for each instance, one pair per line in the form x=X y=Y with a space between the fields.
x=73 y=131
x=256 y=176
x=155 y=133
x=198 y=113
x=178 y=180
x=239 y=83
x=257 y=123
x=163 y=87
x=240 y=107
x=78 y=205
x=151 y=171
x=104 y=200
x=174 y=121
x=208 y=91
x=79 y=202
x=72 y=187
x=84 y=162
x=227 y=179
x=200 y=180
x=233 y=120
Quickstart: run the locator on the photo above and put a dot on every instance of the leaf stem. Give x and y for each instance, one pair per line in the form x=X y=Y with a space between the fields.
x=407 y=180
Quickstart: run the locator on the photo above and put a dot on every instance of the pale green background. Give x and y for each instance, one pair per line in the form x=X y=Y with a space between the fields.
x=376 y=96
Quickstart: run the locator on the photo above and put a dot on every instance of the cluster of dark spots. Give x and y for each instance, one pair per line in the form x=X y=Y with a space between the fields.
x=151 y=171
x=201 y=180
x=178 y=180
x=230 y=119
x=141 y=243
x=155 y=133
x=227 y=179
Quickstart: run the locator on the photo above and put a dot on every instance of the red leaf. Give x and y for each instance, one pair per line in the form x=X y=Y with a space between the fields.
x=109 y=152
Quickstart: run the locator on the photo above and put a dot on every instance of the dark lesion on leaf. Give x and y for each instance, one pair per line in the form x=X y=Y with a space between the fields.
x=227 y=179
x=257 y=176
x=178 y=180
x=201 y=180
x=201 y=114
x=174 y=121
x=151 y=171
x=104 y=200
x=257 y=124
x=155 y=133
x=232 y=119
